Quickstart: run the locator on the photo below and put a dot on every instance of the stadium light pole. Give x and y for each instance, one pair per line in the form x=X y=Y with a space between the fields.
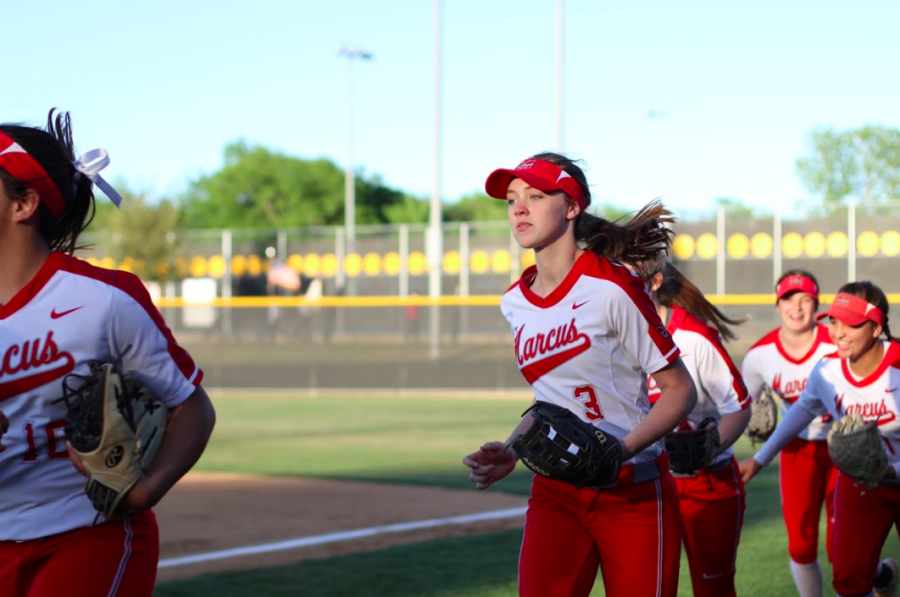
x=351 y=53
x=559 y=76
x=435 y=232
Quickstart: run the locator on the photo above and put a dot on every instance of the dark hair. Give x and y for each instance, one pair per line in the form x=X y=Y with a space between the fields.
x=871 y=294
x=54 y=150
x=798 y=272
x=677 y=290
x=637 y=242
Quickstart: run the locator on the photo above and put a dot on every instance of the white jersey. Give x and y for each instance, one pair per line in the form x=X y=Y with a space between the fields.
x=833 y=389
x=589 y=345
x=70 y=314
x=767 y=362
x=720 y=388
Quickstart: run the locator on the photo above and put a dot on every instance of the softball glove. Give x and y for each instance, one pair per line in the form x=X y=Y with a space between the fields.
x=763 y=416
x=856 y=449
x=560 y=446
x=115 y=426
x=689 y=451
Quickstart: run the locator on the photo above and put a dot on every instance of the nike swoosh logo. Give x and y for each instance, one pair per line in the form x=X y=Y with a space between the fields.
x=711 y=576
x=576 y=305
x=55 y=315
x=891 y=391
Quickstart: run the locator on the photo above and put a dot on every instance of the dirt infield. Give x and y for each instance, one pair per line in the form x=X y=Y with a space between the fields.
x=207 y=512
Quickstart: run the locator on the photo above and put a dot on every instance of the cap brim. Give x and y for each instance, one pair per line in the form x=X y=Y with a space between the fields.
x=497 y=184
x=850 y=318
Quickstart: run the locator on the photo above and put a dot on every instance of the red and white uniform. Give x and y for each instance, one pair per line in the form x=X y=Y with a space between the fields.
x=588 y=346
x=863 y=517
x=69 y=314
x=807 y=474
x=712 y=501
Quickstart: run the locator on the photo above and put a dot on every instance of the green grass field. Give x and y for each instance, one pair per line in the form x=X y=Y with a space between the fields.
x=421 y=442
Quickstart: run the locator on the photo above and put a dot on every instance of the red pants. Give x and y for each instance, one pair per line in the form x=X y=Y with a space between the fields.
x=116 y=558
x=632 y=533
x=712 y=513
x=807 y=481
x=862 y=521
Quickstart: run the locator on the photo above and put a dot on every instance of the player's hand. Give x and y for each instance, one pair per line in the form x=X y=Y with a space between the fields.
x=142 y=495
x=492 y=462
x=749 y=468
x=4 y=427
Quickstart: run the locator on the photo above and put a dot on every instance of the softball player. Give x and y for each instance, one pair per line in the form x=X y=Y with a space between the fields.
x=57 y=313
x=585 y=334
x=711 y=500
x=862 y=376
x=783 y=359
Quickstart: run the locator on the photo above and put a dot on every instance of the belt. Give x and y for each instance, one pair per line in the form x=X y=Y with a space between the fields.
x=639 y=473
x=709 y=470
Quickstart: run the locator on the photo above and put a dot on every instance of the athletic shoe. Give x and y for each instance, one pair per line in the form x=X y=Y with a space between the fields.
x=890 y=589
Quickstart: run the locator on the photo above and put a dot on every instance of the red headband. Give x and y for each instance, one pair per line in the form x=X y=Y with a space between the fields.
x=29 y=172
x=853 y=310
x=540 y=174
x=798 y=282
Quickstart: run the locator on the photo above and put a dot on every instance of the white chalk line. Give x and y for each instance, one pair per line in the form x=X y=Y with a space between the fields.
x=402 y=527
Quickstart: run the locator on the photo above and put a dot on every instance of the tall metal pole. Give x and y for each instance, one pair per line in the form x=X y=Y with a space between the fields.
x=559 y=76
x=350 y=52
x=435 y=233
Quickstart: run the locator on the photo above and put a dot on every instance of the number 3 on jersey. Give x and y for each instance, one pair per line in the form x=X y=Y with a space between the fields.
x=588 y=396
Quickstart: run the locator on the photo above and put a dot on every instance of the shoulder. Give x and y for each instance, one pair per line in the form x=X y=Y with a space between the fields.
x=822 y=334
x=689 y=323
x=894 y=347
x=768 y=339
x=618 y=276
x=124 y=281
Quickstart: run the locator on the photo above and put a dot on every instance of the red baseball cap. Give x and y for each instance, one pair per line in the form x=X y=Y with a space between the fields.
x=853 y=310
x=540 y=174
x=797 y=282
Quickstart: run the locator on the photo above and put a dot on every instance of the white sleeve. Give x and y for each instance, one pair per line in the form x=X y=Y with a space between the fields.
x=639 y=328
x=796 y=420
x=138 y=335
x=750 y=371
x=720 y=377
x=810 y=397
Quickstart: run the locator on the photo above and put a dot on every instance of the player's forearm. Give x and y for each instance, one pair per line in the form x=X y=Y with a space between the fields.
x=521 y=428
x=795 y=421
x=186 y=438
x=732 y=426
x=677 y=399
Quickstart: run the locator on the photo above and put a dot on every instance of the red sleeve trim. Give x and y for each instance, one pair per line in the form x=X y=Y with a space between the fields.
x=634 y=287
x=133 y=287
x=711 y=334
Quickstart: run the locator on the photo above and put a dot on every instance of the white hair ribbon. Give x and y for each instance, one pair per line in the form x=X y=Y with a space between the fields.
x=90 y=164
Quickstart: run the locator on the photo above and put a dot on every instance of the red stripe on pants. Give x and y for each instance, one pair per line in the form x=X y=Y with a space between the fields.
x=117 y=558
x=632 y=533
x=807 y=481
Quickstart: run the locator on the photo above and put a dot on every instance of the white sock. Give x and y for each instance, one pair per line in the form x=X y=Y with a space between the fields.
x=808 y=578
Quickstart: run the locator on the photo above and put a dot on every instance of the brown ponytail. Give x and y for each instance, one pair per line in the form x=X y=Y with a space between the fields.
x=677 y=290
x=636 y=243
x=639 y=243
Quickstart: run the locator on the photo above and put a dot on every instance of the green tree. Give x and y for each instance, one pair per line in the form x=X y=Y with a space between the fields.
x=144 y=232
x=476 y=207
x=408 y=211
x=259 y=188
x=862 y=163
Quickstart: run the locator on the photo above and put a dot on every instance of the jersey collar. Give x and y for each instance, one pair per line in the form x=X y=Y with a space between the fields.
x=560 y=292
x=34 y=286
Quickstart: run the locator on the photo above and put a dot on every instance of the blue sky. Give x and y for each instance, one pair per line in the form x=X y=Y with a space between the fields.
x=164 y=86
